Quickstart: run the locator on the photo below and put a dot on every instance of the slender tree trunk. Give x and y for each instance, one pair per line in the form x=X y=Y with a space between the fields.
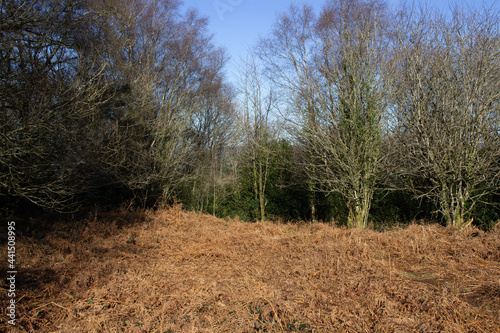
x=261 y=193
x=255 y=183
x=312 y=200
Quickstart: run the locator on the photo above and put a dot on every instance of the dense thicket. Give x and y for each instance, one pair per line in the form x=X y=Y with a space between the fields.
x=358 y=113
x=404 y=100
x=446 y=92
x=105 y=100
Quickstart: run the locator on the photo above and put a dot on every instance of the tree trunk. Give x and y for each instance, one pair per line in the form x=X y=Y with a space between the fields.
x=359 y=208
x=453 y=203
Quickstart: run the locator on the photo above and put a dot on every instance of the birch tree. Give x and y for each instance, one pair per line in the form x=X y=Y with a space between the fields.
x=258 y=104
x=288 y=57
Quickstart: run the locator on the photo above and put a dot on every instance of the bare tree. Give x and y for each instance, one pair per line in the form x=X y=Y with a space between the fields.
x=333 y=71
x=447 y=90
x=257 y=108
x=47 y=98
x=97 y=96
x=288 y=57
x=213 y=133
x=181 y=107
x=348 y=136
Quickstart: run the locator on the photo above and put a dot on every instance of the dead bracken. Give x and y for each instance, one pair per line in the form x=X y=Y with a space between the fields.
x=186 y=272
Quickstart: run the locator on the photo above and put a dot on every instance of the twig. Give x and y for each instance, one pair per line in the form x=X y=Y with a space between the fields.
x=53 y=303
x=20 y=298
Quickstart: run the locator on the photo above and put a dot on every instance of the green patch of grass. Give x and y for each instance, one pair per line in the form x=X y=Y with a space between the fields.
x=295 y=326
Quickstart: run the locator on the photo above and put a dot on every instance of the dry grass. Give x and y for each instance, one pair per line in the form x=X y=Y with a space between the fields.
x=176 y=271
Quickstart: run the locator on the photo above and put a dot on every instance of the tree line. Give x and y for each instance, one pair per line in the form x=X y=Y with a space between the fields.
x=359 y=113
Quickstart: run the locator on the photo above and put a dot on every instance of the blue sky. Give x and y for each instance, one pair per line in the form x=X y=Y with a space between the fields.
x=238 y=24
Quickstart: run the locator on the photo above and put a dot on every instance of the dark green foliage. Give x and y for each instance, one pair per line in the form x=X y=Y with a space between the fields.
x=399 y=207
x=287 y=193
x=487 y=214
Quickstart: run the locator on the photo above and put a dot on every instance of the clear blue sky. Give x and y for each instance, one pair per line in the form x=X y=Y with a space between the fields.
x=238 y=24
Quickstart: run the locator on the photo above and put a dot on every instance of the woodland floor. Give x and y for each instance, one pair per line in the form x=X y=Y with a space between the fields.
x=176 y=271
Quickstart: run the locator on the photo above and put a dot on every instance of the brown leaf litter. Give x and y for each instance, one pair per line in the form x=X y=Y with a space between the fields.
x=176 y=271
